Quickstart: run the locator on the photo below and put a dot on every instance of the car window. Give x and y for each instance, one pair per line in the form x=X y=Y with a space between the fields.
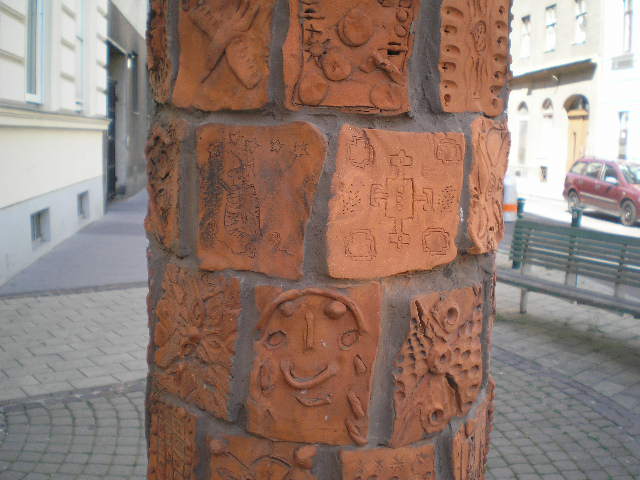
x=578 y=168
x=610 y=172
x=593 y=170
x=631 y=173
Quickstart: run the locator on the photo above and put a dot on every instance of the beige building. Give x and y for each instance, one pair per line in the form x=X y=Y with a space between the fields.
x=54 y=84
x=556 y=48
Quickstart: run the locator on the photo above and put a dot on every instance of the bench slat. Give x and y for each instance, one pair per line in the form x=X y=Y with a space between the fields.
x=582 y=296
x=612 y=252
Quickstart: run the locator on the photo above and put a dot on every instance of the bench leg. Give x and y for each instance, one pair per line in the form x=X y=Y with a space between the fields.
x=523 y=300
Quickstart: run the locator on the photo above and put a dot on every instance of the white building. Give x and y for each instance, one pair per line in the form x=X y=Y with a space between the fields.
x=618 y=126
x=53 y=118
x=575 y=89
x=555 y=98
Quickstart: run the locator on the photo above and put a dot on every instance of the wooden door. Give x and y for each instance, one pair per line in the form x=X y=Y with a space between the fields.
x=578 y=132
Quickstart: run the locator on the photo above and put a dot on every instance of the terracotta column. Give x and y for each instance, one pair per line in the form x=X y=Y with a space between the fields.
x=325 y=182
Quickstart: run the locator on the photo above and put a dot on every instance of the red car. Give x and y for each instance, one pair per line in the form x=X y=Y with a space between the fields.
x=605 y=185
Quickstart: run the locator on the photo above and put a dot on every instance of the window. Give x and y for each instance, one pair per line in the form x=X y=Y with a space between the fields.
x=525 y=38
x=79 y=52
x=34 y=54
x=83 y=205
x=523 y=130
x=631 y=173
x=578 y=168
x=580 y=35
x=593 y=170
x=627 y=27
x=610 y=171
x=40 y=227
x=623 y=131
x=551 y=23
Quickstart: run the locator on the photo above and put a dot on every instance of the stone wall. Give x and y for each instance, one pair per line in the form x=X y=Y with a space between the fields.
x=325 y=200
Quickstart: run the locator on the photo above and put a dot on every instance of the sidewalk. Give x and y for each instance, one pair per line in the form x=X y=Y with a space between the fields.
x=72 y=378
x=108 y=252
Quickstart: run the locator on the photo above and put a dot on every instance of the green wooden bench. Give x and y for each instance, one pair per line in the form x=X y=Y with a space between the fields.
x=608 y=259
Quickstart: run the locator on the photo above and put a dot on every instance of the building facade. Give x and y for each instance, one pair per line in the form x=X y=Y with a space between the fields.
x=619 y=122
x=557 y=50
x=576 y=71
x=54 y=92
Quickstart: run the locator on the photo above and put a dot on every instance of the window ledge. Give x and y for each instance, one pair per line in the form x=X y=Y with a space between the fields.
x=31 y=118
x=621 y=62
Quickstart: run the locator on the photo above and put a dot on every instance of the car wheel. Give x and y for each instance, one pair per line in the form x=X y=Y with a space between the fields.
x=573 y=200
x=629 y=213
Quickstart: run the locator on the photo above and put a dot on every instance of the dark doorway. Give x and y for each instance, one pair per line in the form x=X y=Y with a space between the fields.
x=112 y=98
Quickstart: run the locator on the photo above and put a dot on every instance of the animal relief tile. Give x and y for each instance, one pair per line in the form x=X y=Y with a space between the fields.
x=257 y=185
x=395 y=202
x=224 y=54
x=439 y=369
x=474 y=55
x=313 y=368
x=195 y=337
x=349 y=55
x=491 y=143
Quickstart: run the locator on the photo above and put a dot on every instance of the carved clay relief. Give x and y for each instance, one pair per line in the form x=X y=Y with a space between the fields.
x=395 y=202
x=172 y=443
x=224 y=54
x=415 y=463
x=195 y=337
x=439 y=370
x=491 y=142
x=249 y=458
x=474 y=55
x=158 y=61
x=471 y=443
x=349 y=55
x=257 y=185
x=311 y=379
x=163 y=151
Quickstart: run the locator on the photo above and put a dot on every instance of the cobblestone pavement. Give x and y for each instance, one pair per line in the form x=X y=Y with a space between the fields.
x=567 y=403
x=67 y=342
x=546 y=427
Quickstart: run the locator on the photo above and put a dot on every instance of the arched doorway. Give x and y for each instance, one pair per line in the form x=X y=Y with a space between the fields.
x=577 y=107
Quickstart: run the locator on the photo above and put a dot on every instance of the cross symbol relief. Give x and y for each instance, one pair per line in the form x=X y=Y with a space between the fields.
x=401 y=199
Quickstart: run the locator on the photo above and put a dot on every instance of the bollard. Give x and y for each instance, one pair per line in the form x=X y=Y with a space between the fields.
x=576 y=216
x=510 y=199
x=521 y=202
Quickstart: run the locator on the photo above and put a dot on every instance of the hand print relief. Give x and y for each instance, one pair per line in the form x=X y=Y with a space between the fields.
x=474 y=55
x=439 y=370
x=172 y=443
x=415 y=463
x=195 y=338
x=349 y=55
x=491 y=143
x=249 y=458
x=312 y=373
x=257 y=185
x=395 y=202
x=224 y=54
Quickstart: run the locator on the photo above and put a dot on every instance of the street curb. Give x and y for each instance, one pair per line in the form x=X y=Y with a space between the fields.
x=66 y=396
x=72 y=291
